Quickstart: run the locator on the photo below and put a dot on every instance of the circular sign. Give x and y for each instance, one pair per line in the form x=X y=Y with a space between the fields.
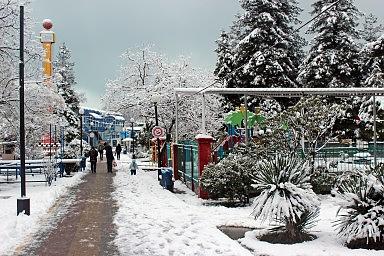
x=158 y=132
x=91 y=134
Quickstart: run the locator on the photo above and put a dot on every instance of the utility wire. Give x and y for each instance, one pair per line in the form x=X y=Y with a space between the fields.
x=260 y=53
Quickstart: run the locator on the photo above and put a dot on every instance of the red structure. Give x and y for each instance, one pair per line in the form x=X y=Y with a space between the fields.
x=204 y=150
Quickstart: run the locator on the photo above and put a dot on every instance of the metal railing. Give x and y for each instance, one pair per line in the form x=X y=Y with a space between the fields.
x=187 y=165
x=339 y=159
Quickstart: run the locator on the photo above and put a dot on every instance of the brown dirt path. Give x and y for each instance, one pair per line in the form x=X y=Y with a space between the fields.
x=87 y=226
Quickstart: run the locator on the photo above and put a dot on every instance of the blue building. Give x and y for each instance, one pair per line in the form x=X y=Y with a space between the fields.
x=102 y=126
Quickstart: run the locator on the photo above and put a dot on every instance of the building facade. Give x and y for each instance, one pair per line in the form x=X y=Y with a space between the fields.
x=102 y=126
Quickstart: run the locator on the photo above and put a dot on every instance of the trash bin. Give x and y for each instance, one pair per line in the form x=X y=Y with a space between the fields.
x=83 y=163
x=166 y=178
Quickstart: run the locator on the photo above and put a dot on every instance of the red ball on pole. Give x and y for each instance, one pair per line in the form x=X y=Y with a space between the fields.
x=47 y=24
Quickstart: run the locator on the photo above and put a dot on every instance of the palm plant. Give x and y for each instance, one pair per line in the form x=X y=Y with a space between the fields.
x=361 y=214
x=286 y=195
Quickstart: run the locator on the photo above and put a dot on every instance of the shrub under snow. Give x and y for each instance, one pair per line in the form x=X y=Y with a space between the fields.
x=230 y=178
x=286 y=195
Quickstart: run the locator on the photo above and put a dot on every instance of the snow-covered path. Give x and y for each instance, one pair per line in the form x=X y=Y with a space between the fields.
x=16 y=230
x=153 y=221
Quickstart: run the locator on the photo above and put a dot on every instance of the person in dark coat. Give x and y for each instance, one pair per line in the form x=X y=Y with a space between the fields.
x=100 y=148
x=109 y=156
x=93 y=158
x=118 y=151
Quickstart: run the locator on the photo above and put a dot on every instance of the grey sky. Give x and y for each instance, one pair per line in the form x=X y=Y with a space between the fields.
x=98 y=31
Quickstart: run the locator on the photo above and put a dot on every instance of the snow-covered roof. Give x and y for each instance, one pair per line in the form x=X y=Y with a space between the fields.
x=283 y=92
x=103 y=112
x=120 y=118
x=116 y=117
x=97 y=116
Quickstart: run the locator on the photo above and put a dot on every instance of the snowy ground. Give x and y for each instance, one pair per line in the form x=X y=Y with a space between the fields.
x=15 y=229
x=153 y=221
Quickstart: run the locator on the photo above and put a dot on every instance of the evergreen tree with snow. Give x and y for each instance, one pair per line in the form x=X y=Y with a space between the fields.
x=65 y=81
x=371 y=29
x=261 y=49
x=333 y=57
x=373 y=76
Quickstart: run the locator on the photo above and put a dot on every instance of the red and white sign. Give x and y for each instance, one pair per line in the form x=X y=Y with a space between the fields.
x=158 y=132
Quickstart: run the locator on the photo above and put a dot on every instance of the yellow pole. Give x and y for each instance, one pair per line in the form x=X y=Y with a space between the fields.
x=47 y=61
x=47 y=38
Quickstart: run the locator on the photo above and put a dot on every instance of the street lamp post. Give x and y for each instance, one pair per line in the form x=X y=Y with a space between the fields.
x=81 y=112
x=23 y=203
x=91 y=134
x=155 y=100
x=132 y=137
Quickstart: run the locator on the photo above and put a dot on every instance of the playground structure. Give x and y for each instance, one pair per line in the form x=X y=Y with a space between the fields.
x=188 y=160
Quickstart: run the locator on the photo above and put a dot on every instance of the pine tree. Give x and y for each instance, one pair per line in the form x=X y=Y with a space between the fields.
x=264 y=48
x=333 y=57
x=371 y=30
x=373 y=76
x=65 y=81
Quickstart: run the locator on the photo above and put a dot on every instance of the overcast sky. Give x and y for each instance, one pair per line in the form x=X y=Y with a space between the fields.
x=98 y=31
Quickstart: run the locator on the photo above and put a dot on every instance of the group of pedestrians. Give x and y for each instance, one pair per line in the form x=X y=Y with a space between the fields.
x=100 y=151
x=93 y=153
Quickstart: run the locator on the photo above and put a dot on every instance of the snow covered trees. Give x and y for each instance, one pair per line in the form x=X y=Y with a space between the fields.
x=371 y=29
x=333 y=58
x=373 y=76
x=261 y=49
x=65 y=81
x=305 y=127
x=146 y=73
x=38 y=98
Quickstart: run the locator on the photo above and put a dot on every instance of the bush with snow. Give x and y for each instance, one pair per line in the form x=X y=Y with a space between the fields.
x=285 y=197
x=361 y=216
x=230 y=178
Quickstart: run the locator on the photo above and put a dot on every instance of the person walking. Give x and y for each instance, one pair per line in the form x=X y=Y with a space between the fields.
x=93 y=159
x=118 y=151
x=133 y=166
x=100 y=148
x=109 y=156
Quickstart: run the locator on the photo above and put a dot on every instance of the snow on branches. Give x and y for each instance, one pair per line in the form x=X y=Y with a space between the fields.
x=333 y=58
x=145 y=73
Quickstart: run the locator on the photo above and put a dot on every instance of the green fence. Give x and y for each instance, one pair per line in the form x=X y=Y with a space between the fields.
x=340 y=159
x=187 y=165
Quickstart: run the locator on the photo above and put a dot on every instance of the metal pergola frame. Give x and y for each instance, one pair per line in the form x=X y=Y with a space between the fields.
x=279 y=92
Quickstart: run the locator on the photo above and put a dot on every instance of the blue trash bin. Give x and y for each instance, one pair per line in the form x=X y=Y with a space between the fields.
x=166 y=178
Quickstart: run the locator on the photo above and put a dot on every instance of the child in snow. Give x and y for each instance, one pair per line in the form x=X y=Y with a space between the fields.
x=133 y=166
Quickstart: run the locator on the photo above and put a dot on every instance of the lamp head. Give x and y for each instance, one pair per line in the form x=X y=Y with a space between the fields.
x=155 y=98
x=132 y=120
x=81 y=111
